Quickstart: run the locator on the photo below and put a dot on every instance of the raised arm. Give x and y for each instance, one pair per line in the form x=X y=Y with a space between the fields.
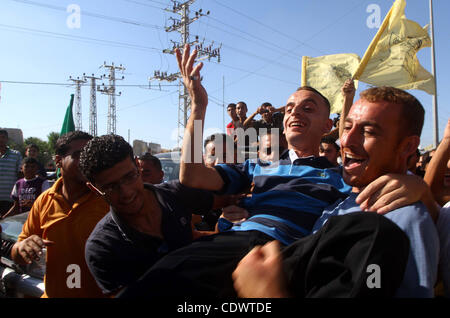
x=435 y=174
x=193 y=172
x=248 y=121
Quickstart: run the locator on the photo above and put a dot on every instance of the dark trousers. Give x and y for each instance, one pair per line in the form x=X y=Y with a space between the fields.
x=331 y=263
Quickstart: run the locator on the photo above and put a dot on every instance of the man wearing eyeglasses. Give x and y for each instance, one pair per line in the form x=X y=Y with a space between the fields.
x=145 y=221
x=61 y=220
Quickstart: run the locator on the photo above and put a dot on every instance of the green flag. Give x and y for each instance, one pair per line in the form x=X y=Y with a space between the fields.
x=68 y=124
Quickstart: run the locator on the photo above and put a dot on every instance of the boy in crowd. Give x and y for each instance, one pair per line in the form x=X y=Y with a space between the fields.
x=27 y=189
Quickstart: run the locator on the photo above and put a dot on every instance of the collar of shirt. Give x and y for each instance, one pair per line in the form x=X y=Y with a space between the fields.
x=32 y=179
x=56 y=192
x=293 y=156
x=7 y=151
x=128 y=232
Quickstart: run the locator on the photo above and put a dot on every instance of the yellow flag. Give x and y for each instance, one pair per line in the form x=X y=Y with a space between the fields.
x=391 y=58
x=328 y=73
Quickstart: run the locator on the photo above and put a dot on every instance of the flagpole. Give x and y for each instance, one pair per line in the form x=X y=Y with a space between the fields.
x=368 y=54
x=304 y=61
x=433 y=69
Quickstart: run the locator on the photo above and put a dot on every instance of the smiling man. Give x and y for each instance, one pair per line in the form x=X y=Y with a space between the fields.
x=145 y=221
x=381 y=131
x=288 y=196
x=62 y=218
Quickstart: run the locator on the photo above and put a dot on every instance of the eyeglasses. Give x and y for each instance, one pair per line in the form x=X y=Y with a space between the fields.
x=115 y=187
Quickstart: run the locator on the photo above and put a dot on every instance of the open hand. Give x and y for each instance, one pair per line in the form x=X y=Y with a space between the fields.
x=191 y=77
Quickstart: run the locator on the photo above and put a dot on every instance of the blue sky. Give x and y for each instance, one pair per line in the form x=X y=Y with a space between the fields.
x=262 y=45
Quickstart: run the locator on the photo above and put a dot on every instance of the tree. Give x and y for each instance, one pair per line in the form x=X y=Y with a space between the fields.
x=45 y=154
x=52 y=138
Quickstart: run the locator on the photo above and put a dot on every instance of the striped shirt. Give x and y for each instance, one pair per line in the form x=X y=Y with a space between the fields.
x=9 y=167
x=288 y=196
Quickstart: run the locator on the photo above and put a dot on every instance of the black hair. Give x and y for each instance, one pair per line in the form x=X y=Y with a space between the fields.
x=28 y=160
x=4 y=132
x=231 y=105
x=219 y=136
x=32 y=146
x=62 y=144
x=152 y=159
x=243 y=103
x=331 y=141
x=311 y=89
x=104 y=152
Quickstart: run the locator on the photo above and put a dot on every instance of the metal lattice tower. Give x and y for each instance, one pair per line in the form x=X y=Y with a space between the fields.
x=78 y=114
x=93 y=106
x=182 y=26
x=111 y=92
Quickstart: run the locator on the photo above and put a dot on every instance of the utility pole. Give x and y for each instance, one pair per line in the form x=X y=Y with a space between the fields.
x=78 y=118
x=93 y=105
x=111 y=92
x=433 y=71
x=182 y=26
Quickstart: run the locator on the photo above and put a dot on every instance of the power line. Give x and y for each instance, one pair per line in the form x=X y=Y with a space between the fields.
x=159 y=2
x=111 y=43
x=261 y=43
x=182 y=26
x=147 y=86
x=254 y=73
x=267 y=26
x=79 y=38
x=287 y=67
x=301 y=43
x=143 y=4
x=91 y=14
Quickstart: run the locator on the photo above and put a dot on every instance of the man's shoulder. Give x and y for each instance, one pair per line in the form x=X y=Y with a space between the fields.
x=106 y=227
x=416 y=209
x=13 y=152
x=10 y=155
x=411 y=215
x=165 y=188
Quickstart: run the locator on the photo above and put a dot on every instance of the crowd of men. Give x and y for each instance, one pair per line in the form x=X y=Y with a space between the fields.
x=315 y=212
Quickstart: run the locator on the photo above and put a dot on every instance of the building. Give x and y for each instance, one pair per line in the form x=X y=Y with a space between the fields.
x=15 y=135
x=140 y=147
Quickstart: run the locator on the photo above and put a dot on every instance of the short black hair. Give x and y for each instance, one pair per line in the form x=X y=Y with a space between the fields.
x=152 y=159
x=62 y=144
x=28 y=160
x=233 y=105
x=219 y=136
x=243 y=103
x=331 y=141
x=32 y=146
x=4 y=132
x=311 y=89
x=266 y=104
x=102 y=153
